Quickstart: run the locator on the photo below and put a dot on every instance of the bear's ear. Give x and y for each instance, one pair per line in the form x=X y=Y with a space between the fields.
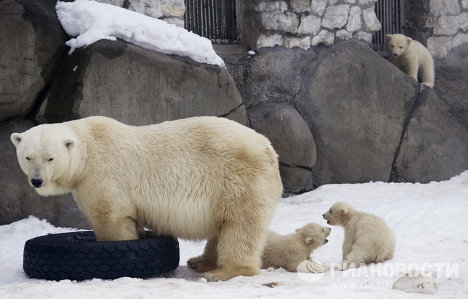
x=388 y=37
x=343 y=210
x=308 y=240
x=16 y=138
x=298 y=230
x=69 y=143
x=408 y=39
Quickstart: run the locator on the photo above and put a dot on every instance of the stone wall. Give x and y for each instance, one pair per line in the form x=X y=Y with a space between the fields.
x=440 y=24
x=306 y=23
x=40 y=83
x=171 y=11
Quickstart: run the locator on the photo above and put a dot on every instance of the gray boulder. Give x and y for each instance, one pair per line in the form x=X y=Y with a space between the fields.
x=356 y=104
x=19 y=200
x=292 y=140
x=272 y=75
x=33 y=43
x=138 y=87
x=435 y=144
x=451 y=80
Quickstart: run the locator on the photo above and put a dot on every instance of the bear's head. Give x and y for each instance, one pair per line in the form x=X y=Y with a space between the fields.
x=45 y=155
x=397 y=44
x=314 y=235
x=339 y=213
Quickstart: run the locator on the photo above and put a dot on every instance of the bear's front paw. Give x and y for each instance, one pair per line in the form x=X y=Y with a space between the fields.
x=338 y=267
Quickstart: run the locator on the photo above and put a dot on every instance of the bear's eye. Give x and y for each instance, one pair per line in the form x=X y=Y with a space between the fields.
x=393 y=46
x=401 y=47
x=27 y=158
x=330 y=211
x=50 y=159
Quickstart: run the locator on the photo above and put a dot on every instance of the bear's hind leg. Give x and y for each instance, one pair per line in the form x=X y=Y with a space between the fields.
x=239 y=250
x=354 y=259
x=206 y=261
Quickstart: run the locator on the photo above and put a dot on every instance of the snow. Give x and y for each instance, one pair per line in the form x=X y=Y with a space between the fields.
x=429 y=221
x=91 y=21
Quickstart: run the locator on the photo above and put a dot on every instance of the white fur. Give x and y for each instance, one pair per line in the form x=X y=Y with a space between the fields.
x=411 y=57
x=196 y=178
x=368 y=239
x=291 y=250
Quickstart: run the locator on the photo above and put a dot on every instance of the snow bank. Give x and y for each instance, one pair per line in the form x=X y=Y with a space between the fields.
x=429 y=221
x=91 y=21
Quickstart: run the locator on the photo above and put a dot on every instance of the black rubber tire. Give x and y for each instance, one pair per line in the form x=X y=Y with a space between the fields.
x=78 y=256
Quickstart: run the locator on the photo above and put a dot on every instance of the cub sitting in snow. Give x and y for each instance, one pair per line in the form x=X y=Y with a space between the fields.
x=368 y=239
x=411 y=56
x=290 y=251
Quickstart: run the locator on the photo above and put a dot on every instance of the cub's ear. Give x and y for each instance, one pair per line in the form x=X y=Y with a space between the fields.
x=388 y=37
x=408 y=39
x=308 y=240
x=69 y=143
x=16 y=138
x=343 y=210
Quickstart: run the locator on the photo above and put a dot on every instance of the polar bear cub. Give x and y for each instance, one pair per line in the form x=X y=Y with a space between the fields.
x=194 y=178
x=368 y=239
x=291 y=250
x=411 y=57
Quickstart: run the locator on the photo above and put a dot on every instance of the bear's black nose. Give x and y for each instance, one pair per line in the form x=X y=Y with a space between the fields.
x=36 y=183
x=395 y=54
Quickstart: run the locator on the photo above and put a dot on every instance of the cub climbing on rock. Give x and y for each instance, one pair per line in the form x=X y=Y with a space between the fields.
x=411 y=57
x=368 y=239
x=195 y=178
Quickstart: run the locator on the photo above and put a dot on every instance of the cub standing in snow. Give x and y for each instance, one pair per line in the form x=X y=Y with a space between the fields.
x=410 y=56
x=368 y=239
x=290 y=251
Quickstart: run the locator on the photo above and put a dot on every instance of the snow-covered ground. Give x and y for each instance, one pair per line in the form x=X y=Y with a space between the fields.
x=429 y=221
x=91 y=21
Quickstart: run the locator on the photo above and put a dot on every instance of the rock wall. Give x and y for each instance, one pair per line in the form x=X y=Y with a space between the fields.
x=440 y=24
x=171 y=11
x=40 y=83
x=337 y=114
x=306 y=23
x=369 y=121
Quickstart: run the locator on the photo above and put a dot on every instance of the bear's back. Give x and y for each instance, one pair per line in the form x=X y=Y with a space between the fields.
x=182 y=167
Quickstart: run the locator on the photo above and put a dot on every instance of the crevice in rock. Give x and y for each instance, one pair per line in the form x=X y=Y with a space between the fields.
x=295 y=166
x=394 y=175
x=41 y=96
x=59 y=58
x=232 y=111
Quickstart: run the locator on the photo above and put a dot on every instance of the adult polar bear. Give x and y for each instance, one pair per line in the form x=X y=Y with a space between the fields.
x=195 y=178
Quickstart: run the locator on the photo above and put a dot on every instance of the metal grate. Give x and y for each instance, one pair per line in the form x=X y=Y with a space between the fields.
x=391 y=16
x=213 y=19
